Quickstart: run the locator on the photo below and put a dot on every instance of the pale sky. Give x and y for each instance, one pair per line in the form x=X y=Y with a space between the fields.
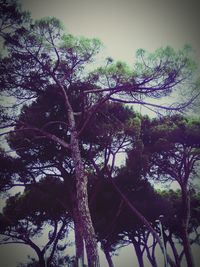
x=123 y=27
x=126 y=25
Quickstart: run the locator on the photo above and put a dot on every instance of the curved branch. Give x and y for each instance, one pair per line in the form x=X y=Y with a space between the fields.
x=171 y=108
x=44 y=134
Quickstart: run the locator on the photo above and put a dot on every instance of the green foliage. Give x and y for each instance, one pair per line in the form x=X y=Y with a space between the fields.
x=114 y=73
x=11 y=15
x=164 y=63
x=80 y=48
x=48 y=22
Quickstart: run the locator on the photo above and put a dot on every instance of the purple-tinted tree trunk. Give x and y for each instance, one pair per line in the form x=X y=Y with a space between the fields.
x=185 y=224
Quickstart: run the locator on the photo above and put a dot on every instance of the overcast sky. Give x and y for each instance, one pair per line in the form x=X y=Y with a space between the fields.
x=123 y=27
x=126 y=25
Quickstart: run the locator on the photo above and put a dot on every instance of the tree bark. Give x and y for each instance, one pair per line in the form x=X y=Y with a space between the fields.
x=184 y=225
x=85 y=225
x=82 y=203
x=79 y=244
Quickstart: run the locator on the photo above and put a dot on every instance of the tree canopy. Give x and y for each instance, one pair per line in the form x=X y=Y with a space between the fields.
x=69 y=121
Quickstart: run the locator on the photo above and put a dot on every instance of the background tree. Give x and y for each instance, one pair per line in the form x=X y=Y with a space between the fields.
x=173 y=148
x=26 y=217
x=131 y=179
x=114 y=222
x=171 y=223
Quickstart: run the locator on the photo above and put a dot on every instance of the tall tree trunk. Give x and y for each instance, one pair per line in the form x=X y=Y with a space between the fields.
x=79 y=244
x=108 y=258
x=87 y=228
x=184 y=225
x=82 y=203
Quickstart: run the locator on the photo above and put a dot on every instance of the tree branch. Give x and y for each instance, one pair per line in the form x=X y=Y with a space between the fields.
x=45 y=134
